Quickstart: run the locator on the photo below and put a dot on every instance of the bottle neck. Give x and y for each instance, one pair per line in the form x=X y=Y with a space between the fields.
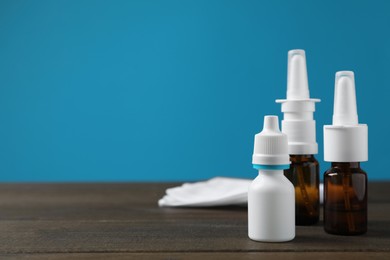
x=302 y=158
x=271 y=172
x=346 y=165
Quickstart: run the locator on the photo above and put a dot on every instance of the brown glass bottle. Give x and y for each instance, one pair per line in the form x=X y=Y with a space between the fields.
x=345 y=199
x=304 y=175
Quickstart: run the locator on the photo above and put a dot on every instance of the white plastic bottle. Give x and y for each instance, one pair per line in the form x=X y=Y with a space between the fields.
x=271 y=196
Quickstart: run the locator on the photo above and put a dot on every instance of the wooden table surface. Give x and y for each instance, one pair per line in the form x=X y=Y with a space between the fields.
x=122 y=221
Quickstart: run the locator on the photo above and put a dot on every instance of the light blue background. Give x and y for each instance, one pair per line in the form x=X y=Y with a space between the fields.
x=175 y=90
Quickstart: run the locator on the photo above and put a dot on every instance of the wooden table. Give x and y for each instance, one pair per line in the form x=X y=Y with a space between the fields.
x=122 y=220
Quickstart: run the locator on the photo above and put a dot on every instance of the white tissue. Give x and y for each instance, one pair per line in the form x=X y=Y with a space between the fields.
x=218 y=191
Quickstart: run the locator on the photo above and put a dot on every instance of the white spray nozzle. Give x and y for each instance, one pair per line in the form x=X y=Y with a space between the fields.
x=298 y=107
x=344 y=110
x=346 y=140
x=297 y=83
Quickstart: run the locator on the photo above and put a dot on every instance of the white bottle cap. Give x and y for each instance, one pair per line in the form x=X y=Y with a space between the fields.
x=345 y=140
x=271 y=148
x=298 y=108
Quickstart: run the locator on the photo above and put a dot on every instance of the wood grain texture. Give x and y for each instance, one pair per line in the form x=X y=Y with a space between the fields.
x=207 y=255
x=123 y=220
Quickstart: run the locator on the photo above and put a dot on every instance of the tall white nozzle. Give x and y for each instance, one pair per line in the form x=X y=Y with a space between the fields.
x=345 y=110
x=297 y=83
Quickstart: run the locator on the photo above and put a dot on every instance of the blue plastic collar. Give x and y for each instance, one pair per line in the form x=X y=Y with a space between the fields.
x=271 y=167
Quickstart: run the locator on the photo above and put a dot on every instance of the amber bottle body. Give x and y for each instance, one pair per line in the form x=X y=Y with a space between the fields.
x=304 y=175
x=345 y=199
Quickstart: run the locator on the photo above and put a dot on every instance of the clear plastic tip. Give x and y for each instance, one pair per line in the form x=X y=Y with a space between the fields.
x=297 y=83
x=271 y=123
x=345 y=110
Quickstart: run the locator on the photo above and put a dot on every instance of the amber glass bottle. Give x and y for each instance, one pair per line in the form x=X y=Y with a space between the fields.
x=345 y=204
x=304 y=175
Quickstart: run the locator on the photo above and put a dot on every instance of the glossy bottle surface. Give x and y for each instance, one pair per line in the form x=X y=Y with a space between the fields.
x=304 y=175
x=345 y=199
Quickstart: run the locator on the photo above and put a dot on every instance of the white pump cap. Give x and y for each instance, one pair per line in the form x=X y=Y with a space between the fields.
x=298 y=108
x=270 y=144
x=345 y=140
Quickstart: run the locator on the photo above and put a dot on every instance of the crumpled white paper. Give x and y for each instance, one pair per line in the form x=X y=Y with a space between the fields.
x=218 y=191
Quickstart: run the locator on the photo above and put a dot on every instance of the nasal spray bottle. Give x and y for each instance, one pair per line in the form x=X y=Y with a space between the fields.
x=299 y=126
x=271 y=198
x=345 y=146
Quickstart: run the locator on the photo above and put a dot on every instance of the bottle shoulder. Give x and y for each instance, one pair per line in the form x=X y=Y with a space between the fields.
x=309 y=163
x=344 y=170
x=272 y=184
x=304 y=159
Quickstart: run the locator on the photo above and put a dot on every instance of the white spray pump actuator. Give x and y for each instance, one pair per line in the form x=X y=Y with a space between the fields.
x=271 y=197
x=345 y=140
x=298 y=107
